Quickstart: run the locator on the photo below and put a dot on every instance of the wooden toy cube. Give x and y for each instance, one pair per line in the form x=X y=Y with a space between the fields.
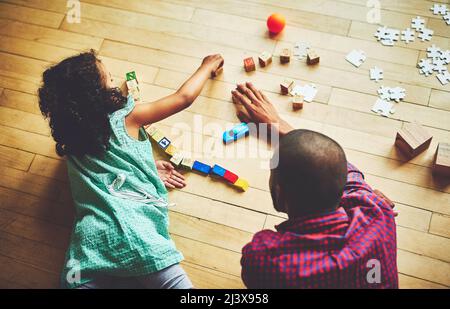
x=285 y=55
x=230 y=177
x=265 y=59
x=201 y=167
x=412 y=139
x=187 y=163
x=442 y=160
x=164 y=143
x=217 y=72
x=241 y=184
x=249 y=64
x=131 y=75
x=286 y=86
x=171 y=149
x=297 y=102
x=218 y=171
x=312 y=57
x=177 y=158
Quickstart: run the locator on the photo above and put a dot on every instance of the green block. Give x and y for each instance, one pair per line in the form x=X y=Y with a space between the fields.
x=131 y=75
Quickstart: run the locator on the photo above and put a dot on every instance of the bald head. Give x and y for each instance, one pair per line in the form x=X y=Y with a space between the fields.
x=311 y=174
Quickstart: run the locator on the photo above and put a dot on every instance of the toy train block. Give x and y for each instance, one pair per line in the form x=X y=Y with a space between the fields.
x=171 y=150
x=237 y=132
x=131 y=75
x=412 y=139
x=156 y=135
x=286 y=86
x=285 y=55
x=230 y=177
x=187 y=163
x=312 y=57
x=177 y=158
x=241 y=184
x=133 y=85
x=297 y=102
x=217 y=72
x=265 y=59
x=201 y=167
x=441 y=164
x=218 y=171
x=249 y=64
x=164 y=143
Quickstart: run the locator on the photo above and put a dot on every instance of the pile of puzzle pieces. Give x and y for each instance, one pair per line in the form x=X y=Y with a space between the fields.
x=437 y=61
x=441 y=9
x=300 y=94
x=178 y=159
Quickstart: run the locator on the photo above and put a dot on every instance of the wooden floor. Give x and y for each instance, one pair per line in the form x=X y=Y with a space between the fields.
x=164 y=41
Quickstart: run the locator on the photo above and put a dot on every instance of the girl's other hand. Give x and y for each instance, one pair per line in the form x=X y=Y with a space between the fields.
x=169 y=176
x=213 y=62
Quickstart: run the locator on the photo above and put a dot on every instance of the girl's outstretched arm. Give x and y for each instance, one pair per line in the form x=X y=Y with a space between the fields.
x=147 y=113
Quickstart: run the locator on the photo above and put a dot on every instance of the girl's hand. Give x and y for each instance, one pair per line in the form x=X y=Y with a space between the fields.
x=170 y=177
x=213 y=62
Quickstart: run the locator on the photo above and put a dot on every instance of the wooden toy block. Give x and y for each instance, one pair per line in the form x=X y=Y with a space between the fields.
x=286 y=86
x=187 y=163
x=230 y=177
x=157 y=135
x=241 y=184
x=164 y=143
x=177 y=158
x=249 y=64
x=312 y=57
x=237 y=132
x=131 y=75
x=218 y=171
x=297 y=102
x=265 y=59
x=412 y=139
x=217 y=72
x=133 y=89
x=201 y=167
x=150 y=130
x=171 y=150
x=441 y=164
x=285 y=55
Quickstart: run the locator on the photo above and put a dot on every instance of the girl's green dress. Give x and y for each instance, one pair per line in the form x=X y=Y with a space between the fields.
x=116 y=233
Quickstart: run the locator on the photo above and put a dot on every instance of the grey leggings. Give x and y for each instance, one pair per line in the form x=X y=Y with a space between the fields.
x=172 y=277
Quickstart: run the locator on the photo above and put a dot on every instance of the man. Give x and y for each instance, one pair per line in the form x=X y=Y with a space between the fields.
x=340 y=233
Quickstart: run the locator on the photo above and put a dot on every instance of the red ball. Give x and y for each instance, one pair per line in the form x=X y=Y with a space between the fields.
x=276 y=23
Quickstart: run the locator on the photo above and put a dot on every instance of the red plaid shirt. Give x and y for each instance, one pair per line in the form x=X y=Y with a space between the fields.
x=339 y=249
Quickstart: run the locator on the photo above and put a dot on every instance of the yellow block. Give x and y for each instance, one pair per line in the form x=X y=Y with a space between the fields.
x=171 y=149
x=241 y=184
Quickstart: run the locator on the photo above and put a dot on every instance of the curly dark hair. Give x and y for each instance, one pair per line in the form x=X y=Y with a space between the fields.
x=75 y=98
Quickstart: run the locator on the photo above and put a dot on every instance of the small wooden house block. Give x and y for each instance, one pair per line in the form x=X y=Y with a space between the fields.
x=442 y=160
x=171 y=150
x=285 y=55
x=187 y=163
x=265 y=59
x=286 y=86
x=249 y=64
x=297 y=102
x=412 y=139
x=177 y=158
x=312 y=57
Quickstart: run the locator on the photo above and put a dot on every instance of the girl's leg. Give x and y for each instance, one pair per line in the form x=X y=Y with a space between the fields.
x=172 y=277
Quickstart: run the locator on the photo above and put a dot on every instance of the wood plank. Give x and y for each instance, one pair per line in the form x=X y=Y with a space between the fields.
x=18 y=82
x=25 y=121
x=206 y=278
x=30 y=15
x=423 y=267
x=440 y=99
x=440 y=225
x=15 y=158
x=20 y=101
x=49 y=36
x=49 y=167
x=408 y=282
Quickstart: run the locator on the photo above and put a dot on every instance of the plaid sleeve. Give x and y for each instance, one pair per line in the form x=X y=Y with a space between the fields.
x=355 y=180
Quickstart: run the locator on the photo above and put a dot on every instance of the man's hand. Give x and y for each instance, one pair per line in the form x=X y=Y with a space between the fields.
x=391 y=203
x=170 y=177
x=253 y=106
x=213 y=62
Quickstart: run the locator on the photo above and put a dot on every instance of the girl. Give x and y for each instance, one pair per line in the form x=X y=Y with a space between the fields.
x=120 y=236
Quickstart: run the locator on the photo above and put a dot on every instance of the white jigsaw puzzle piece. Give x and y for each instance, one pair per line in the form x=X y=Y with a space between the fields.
x=439 y=9
x=446 y=17
x=383 y=107
x=426 y=67
x=376 y=74
x=356 y=57
x=308 y=91
x=397 y=94
x=418 y=23
x=426 y=34
x=434 y=52
x=384 y=93
x=408 y=35
x=444 y=77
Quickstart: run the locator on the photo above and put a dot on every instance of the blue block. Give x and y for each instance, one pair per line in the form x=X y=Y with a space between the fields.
x=201 y=167
x=236 y=133
x=218 y=170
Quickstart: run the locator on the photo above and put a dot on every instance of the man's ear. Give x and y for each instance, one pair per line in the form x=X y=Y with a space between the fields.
x=280 y=205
